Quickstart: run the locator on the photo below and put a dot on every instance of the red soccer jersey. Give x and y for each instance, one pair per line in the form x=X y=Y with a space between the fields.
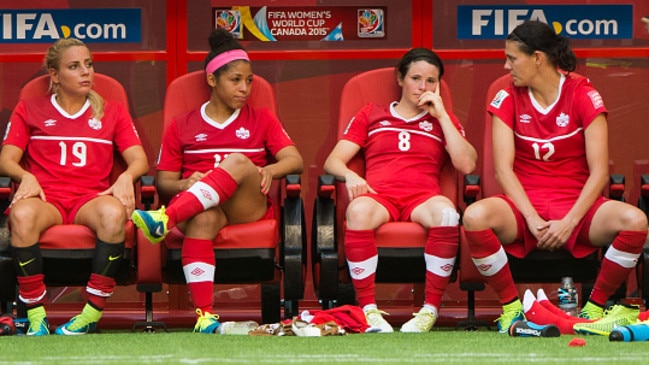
x=194 y=142
x=399 y=154
x=70 y=155
x=550 y=147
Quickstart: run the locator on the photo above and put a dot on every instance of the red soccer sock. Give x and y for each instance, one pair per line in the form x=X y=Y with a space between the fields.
x=539 y=314
x=213 y=189
x=31 y=289
x=491 y=261
x=199 y=265
x=617 y=264
x=440 y=253
x=362 y=258
x=99 y=288
x=544 y=301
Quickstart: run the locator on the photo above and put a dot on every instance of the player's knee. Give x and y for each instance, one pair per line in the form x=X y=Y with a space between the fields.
x=359 y=215
x=235 y=160
x=634 y=219
x=475 y=217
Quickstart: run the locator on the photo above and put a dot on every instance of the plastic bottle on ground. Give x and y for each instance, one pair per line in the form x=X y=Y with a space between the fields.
x=236 y=328
x=568 y=298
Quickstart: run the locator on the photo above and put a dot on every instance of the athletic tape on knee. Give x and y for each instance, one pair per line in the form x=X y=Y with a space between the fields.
x=450 y=218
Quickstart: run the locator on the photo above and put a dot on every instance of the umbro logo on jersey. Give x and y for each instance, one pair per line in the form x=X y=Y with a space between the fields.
x=201 y=137
x=50 y=123
x=524 y=118
x=243 y=133
x=385 y=123
x=426 y=126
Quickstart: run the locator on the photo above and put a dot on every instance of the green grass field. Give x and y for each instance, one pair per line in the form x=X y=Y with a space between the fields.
x=438 y=346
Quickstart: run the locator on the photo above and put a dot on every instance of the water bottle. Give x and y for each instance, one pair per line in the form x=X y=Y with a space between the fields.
x=568 y=296
x=630 y=333
x=236 y=328
x=531 y=329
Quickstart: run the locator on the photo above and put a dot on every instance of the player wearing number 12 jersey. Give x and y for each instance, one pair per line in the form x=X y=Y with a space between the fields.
x=550 y=155
x=404 y=145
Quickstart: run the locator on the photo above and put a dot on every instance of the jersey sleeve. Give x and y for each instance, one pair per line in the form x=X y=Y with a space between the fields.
x=170 y=157
x=357 y=128
x=276 y=136
x=502 y=106
x=125 y=134
x=17 y=133
x=589 y=104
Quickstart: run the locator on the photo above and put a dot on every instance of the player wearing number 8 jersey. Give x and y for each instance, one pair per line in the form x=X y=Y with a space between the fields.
x=60 y=150
x=404 y=144
x=550 y=152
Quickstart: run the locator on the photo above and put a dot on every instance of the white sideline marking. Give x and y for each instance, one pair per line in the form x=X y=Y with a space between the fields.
x=501 y=358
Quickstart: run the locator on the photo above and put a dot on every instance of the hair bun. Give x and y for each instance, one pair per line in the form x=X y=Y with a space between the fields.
x=219 y=37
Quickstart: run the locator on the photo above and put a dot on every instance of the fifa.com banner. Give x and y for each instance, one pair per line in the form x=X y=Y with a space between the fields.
x=272 y=24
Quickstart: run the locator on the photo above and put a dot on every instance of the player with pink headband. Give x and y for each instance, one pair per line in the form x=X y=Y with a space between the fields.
x=218 y=178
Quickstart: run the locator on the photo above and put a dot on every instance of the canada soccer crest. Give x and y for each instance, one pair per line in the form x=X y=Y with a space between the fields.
x=563 y=119
x=94 y=124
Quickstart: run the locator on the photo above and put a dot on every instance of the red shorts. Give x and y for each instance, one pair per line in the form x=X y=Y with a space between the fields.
x=400 y=206
x=67 y=208
x=578 y=244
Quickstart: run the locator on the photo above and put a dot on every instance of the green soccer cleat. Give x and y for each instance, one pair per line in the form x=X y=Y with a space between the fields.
x=616 y=316
x=38 y=325
x=152 y=223
x=206 y=322
x=512 y=313
x=376 y=322
x=591 y=311
x=422 y=322
x=76 y=326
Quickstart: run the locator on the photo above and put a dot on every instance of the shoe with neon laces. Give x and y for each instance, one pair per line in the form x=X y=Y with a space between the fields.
x=38 y=325
x=152 y=223
x=82 y=324
x=591 y=311
x=422 y=322
x=616 y=316
x=512 y=313
x=206 y=322
x=376 y=321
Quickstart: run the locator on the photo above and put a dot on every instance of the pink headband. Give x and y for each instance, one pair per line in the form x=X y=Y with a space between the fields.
x=225 y=58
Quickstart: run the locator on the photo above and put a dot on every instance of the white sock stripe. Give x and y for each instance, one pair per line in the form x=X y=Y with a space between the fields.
x=99 y=293
x=363 y=269
x=32 y=301
x=625 y=259
x=198 y=272
x=205 y=194
x=439 y=266
x=490 y=265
